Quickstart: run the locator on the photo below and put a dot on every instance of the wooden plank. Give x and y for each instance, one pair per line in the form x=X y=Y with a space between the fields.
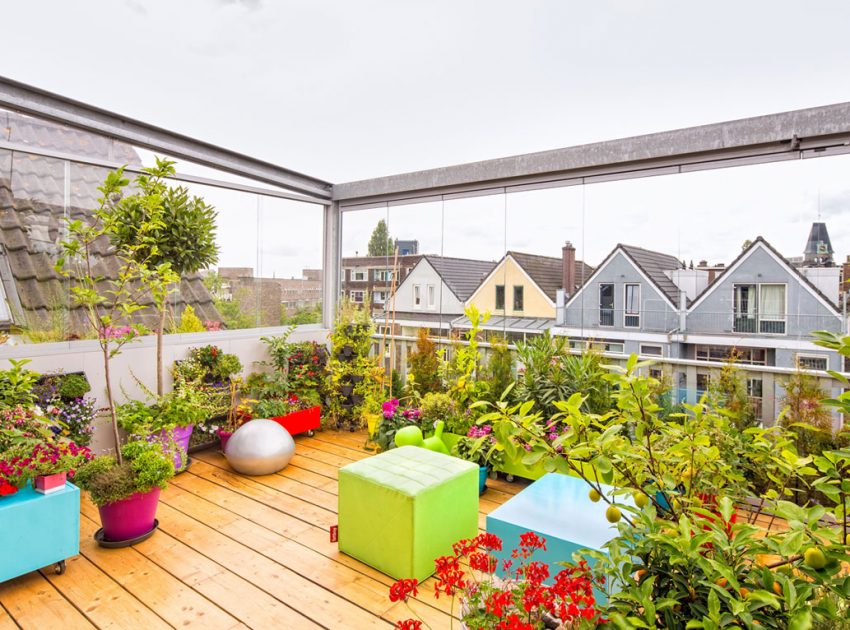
x=6 y=622
x=157 y=589
x=295 y=473
x=322 y=606
x=312 y=537
x=101 y=599
x=355 y=586
x=34 y=603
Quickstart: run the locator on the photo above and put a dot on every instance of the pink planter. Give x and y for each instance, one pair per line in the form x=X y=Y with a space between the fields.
x=224 y=436
x=175 y=441
x=129 y=518
x=45 y=484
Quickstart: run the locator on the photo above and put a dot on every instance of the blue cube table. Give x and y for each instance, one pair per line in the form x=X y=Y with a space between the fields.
x=556 y=507
x=38 y=530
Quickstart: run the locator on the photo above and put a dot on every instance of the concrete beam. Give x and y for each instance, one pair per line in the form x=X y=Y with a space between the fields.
x=43 y=104
x=797 y=134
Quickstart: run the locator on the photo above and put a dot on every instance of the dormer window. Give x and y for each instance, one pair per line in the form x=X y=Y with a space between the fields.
x=760 y=308
x=631 y=308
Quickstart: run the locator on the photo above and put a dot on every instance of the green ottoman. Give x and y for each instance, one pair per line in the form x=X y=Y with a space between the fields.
x=400 y=510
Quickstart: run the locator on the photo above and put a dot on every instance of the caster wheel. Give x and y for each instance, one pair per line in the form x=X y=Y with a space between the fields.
x=509 y=478
x=494 y=475
x=60 y=567
x=311 y=433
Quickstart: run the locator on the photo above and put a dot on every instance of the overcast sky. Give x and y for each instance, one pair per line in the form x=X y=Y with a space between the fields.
x=350 y=90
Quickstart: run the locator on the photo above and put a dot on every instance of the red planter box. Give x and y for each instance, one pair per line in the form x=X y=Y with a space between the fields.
x=301 y=421
x=45 y=484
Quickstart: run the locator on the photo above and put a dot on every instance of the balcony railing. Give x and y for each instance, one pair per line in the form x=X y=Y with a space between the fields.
x=791 y=325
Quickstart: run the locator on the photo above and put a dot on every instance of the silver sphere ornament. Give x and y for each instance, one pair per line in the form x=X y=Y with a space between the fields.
x=259 y=447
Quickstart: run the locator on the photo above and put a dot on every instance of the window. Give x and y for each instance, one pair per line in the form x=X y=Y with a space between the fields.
x=607 y=346
x=432 y=296
x=651 y=351
x=748 y=356
x=759 y=308
x=656 y=373
x=383 y=275
x=358 y=275
x=380 y=297
x=518 y=295
x=357 y=297
x=417 y=296
x=631 y=307
x=500 y=297
x=812 y=362
x=606 y=304
x=703 y=383
x=772 y=312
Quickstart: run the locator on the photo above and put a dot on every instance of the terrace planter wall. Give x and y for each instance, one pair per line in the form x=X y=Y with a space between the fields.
x=38 y=530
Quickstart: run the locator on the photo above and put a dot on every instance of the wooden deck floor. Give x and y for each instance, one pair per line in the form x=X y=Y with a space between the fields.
x=231 y=551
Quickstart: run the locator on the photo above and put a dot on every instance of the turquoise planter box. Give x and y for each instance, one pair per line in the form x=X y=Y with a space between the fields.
x=38 y=530
x=556 y=507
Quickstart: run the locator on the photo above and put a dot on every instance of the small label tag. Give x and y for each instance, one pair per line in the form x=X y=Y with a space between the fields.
x=334 y=533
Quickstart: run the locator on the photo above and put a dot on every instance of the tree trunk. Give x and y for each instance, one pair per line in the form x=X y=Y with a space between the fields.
x=159 y=332
x=111 y=403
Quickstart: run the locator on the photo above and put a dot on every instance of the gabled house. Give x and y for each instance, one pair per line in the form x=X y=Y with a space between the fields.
x=521 y=291
x=629 y=303
x=434 y=292
x=763 y=302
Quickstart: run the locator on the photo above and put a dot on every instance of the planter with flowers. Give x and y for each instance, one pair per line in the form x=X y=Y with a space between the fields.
x=169 y=421
x=393 y=418
x=292 y=413
x=64 y=401
x=39 y=510
x=479 y=446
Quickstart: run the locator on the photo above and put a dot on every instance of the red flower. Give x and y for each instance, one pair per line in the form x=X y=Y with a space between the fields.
x=497 y=602
x=490 y=542
x=513 y=622
x=6 y=489
x=403 y=589
x=481 y=561
x=408 y=624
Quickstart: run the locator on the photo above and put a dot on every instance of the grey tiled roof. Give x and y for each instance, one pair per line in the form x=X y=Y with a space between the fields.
x=654 y=264
x=548 y=272
x=32 y=210
x=461 y=275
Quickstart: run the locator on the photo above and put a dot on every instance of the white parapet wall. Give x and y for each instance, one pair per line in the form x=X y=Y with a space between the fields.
x=137 y=361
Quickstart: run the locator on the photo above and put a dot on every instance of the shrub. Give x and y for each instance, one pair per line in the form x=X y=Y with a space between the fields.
x=72 y=386
x=439 y=406
x=189 y=322
x=424 y=364
x=144 y=467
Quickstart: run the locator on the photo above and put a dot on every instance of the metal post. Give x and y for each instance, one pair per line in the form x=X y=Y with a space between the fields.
x=331 y=262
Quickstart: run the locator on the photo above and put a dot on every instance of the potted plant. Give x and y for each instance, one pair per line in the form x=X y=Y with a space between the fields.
x=47 y=464
x=127 y=493
x=393 y=418
x=479 y=446
x=170 y=419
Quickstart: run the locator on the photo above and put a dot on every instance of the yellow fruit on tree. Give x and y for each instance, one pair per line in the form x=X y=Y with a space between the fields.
x=613 y=514
x=594 y=495
x=721 y=582
x=777 y=588
x=814 y=557
x=641 y=500
x=745 y=592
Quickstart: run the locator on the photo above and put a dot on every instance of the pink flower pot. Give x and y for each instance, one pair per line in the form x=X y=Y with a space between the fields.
x=129 y=518
x=45 y=484
x=175 y=441
x=224 y=436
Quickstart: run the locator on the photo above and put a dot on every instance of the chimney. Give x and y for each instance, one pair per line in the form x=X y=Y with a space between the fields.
x=569 y=268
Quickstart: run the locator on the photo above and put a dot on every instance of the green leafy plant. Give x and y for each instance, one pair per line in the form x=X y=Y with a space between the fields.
x=480 y=447
x=72 y=386
x=439 y=406
x=728 y=391
x=186 y=405
x=17 y=385
x=164 y=228
x=683 y=557
x=461 y=369
x=499 y=370
x=143 y=467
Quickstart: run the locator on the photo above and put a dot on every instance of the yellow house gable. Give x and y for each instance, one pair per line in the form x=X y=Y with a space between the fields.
x=535 y=303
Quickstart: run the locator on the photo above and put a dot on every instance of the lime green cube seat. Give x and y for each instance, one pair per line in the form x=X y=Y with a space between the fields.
x=400 y=510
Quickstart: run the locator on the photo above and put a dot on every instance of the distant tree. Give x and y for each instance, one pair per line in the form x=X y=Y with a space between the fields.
x=424 y=364
x=500 y=366
x=380 y=243
x=746 y=244
x=729 y=391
